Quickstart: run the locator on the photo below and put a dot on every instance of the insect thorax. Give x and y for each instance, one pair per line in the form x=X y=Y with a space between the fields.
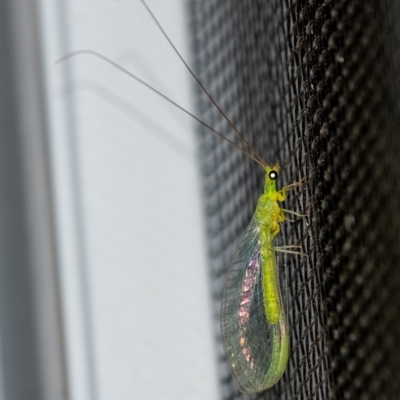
x=269 y=216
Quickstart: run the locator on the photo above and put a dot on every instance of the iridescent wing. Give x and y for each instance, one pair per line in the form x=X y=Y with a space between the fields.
x=256 y=350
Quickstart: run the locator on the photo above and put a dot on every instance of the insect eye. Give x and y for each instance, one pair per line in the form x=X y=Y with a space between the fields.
x=273 y=175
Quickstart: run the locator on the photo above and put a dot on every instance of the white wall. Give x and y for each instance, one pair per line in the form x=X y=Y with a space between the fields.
x=128 y=206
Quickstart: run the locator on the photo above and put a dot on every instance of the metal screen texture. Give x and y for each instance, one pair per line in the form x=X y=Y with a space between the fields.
x=314 y=85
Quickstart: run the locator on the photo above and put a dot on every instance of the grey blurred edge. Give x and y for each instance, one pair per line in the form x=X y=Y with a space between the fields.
x=32 y=359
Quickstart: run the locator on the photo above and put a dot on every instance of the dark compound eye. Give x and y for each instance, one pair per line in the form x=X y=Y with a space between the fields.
x=273 y=175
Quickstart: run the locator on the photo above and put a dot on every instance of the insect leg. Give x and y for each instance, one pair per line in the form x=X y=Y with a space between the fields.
x=284 y=249
x=293 y=185
x=294 y=213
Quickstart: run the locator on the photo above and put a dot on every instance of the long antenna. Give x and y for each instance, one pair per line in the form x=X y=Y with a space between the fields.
x=249 y=145
x=125 y=71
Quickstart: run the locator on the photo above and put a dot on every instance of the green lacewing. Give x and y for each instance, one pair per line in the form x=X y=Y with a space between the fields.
x=254 y=324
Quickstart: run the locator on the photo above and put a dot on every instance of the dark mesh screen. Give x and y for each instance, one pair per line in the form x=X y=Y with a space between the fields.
x=314 y=85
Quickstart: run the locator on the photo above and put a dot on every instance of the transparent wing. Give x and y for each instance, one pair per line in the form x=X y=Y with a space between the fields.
x=256 y=350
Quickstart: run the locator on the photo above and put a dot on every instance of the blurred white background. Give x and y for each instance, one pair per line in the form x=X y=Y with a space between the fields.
x=135 y=298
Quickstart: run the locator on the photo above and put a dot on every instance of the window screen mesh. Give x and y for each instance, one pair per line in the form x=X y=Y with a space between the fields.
x=314 y=85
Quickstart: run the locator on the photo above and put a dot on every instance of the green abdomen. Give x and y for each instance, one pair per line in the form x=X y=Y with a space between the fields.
x=268 y=216
x=270 y=283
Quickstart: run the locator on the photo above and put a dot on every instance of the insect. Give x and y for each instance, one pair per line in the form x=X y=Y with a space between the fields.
x=254 y=324
x=253 y=319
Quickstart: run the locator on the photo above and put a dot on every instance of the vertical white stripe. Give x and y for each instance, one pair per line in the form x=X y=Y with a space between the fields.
x=140 y=223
